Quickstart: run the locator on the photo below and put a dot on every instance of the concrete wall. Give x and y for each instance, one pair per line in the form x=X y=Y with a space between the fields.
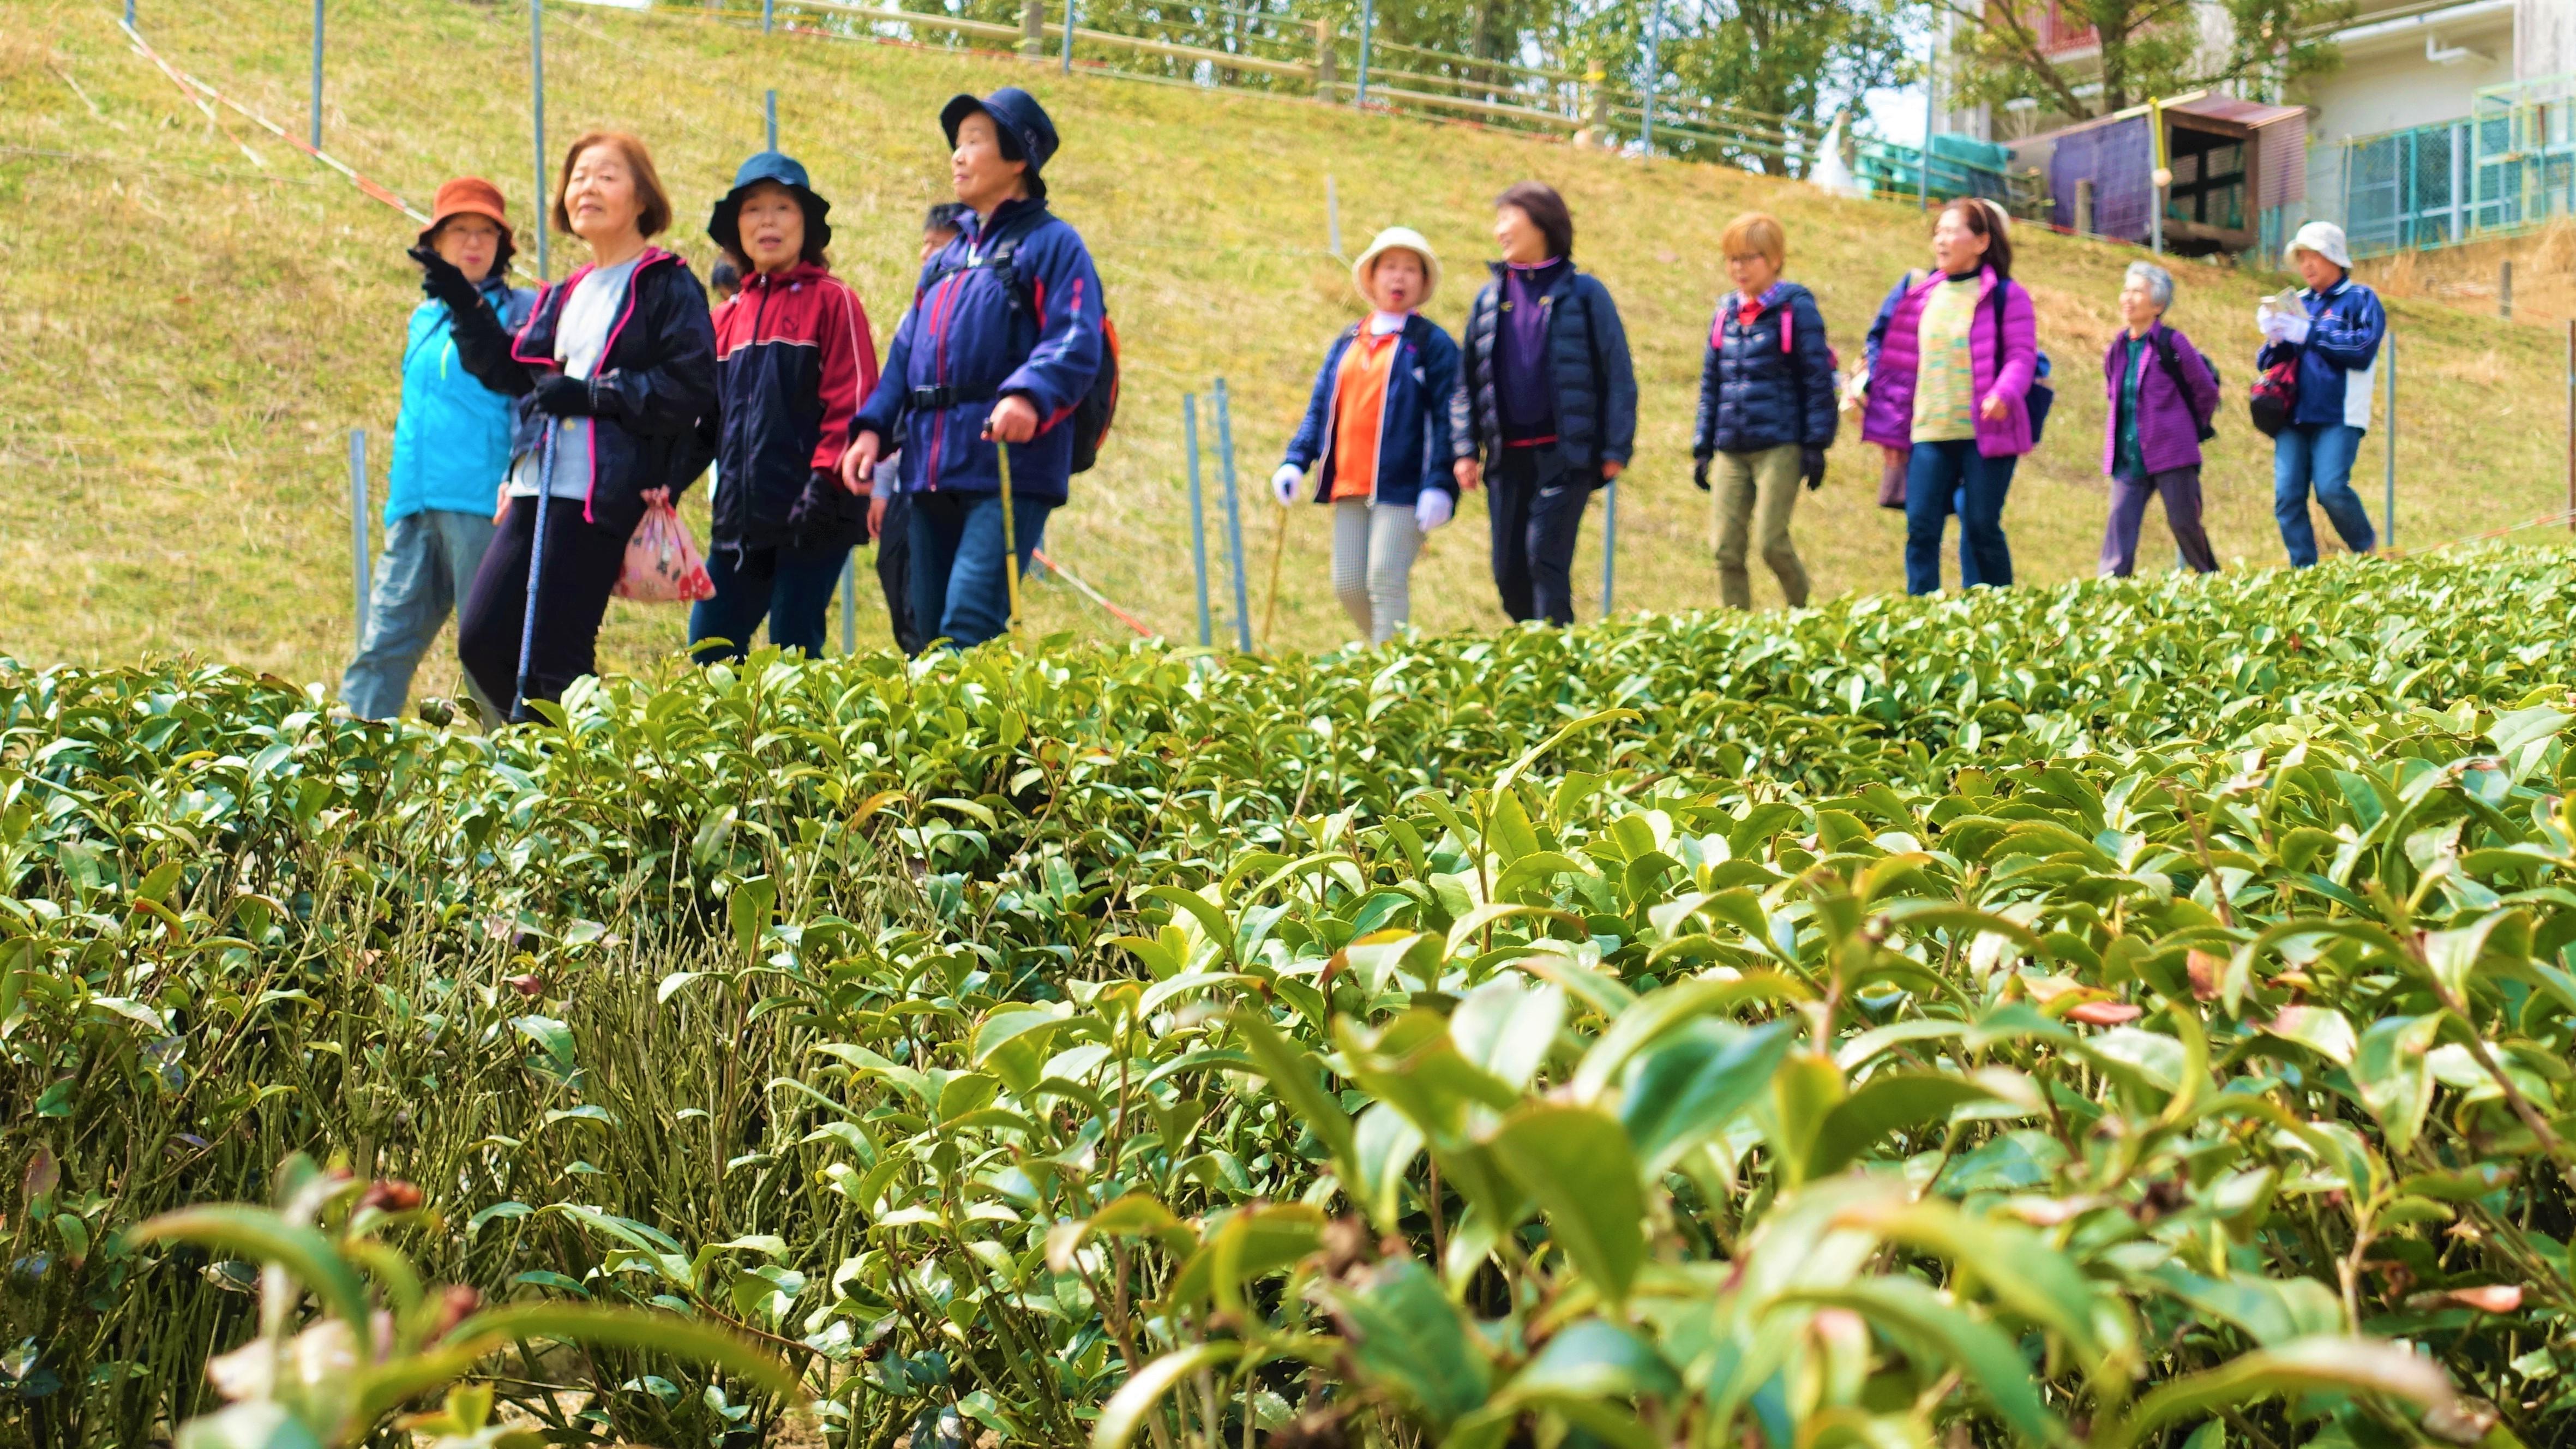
x=2386 y=84
x=2544 y=38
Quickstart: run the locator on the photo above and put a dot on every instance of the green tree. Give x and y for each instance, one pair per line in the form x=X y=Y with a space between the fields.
x=2146 y=48
x=1754 y=81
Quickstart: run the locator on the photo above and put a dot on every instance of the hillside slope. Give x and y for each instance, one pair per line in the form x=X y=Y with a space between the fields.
x=188 y=335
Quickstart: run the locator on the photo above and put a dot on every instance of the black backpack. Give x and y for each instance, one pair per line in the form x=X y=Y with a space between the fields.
x=2207 y=428
x=1098 y=407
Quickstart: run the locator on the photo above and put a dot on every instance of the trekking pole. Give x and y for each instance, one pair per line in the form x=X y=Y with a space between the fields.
x=519 y=711
x=1010 y=539
x=1278 y=552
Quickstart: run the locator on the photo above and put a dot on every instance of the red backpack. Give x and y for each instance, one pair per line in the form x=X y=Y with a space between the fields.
x=2274 y=396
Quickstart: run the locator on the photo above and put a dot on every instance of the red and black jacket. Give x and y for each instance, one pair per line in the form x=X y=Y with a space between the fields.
x=793 y=359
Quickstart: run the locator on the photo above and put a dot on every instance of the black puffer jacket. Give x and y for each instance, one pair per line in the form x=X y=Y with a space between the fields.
x=660 y=363
x=1587 y=350
x=1758 y=390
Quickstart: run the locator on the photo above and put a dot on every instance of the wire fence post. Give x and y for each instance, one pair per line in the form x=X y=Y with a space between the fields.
x=1368 y=28
x=1931 y=109
x=771 y=105
x=1609 y=546
x=1233 y=519
x=1332 y=217
x=2158 y=178
x=537 y=116
x=1198 y=508
x=2389 y=512
x=317 y=75
x=129 y=14
x=1072 y=14
x=1654 y=73
x=2571 y=425
x=358 y=526
x=768 y=14
x=850 y=602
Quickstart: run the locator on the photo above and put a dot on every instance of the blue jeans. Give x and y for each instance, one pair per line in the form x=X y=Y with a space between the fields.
x=791 y=587
x=2318 y=455
x=1941 y=477
x=959 y=592
x=429 y=560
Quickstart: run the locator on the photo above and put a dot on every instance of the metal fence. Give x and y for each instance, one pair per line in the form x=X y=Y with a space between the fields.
x=2509 y=166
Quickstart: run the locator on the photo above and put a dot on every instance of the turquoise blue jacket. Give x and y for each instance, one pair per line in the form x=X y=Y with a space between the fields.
x=452 y=439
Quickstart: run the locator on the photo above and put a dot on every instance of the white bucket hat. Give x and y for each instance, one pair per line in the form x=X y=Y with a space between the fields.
x=1398 y=239
x=2325 y=239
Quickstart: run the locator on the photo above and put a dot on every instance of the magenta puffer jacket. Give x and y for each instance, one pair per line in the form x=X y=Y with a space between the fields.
x=2002 y=366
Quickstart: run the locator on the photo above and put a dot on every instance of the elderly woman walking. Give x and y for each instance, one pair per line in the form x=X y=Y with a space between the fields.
x=2163 y=397
x=1951 y=361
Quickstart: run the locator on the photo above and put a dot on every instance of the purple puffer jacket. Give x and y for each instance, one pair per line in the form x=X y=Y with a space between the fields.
x=2168 y=435
x=1889 y=418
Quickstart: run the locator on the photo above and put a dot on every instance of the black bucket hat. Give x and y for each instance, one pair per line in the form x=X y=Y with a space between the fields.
x=1026 y=132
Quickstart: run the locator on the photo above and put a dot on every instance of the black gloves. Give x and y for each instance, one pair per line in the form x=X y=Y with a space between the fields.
x=1811 y=467
x=814 y=507
x=1699 y=471
x=442 y=281
x=559 y=396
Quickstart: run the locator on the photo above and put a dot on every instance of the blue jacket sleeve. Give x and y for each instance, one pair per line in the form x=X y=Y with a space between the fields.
x=1308 y=445
x=1066 y=291
x=1704 y=427
x=2347 y=333
x=1439 y=385
x=1807 y=354
x=1618 y=377
x=882 y=412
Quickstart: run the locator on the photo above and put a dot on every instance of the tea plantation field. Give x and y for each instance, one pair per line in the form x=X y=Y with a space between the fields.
x=2117 y=1015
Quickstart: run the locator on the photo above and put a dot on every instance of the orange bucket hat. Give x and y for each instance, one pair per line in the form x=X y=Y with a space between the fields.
x=470 y=196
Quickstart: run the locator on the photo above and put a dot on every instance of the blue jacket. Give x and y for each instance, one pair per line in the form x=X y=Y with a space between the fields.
x=1759 y=390
x=452 y=437
x=1587 y=351
x=975 y=336
x=1412 y=429
x=2345 y=325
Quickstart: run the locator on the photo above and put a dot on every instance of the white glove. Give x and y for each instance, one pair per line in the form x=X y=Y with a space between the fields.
x=1433 y=509
x=1285 y=481
x=2293 y=328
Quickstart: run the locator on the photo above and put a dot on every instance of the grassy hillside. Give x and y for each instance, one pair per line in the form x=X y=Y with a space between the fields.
x=188 y=335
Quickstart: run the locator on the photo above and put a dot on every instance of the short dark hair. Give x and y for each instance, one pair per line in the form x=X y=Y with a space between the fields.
x=1987 y=220
x=946 y=216
x=656 y=216
x=1546 y=210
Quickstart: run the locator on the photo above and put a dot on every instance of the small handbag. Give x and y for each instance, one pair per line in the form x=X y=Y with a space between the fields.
x=1891 y=479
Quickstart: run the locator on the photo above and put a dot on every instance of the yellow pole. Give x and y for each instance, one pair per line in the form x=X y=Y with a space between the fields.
x=1010 y=538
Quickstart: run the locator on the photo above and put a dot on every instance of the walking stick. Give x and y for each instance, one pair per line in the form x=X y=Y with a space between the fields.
x=1278 y=551
x=1010 y=539
x=519 y=711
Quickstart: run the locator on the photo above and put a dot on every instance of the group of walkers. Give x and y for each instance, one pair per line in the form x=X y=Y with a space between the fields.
x=588 y=404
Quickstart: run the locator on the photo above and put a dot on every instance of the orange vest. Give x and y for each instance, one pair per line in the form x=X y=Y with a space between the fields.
x=1359 y=412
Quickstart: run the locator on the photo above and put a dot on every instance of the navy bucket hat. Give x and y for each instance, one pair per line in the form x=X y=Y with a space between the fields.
x=1026 y=133
x=724 y=226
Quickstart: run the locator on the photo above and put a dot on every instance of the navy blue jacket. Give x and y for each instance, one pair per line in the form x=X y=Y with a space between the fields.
x=1759 y=390
x=660 y=362
x=2336 y=363
x=1413 y=428
x=1587 y=350
x=793 y=358
x=973 y=338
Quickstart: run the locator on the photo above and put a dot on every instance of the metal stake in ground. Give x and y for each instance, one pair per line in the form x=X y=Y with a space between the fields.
x=358 y=525
x=1233 y=518
x=317 y=75
x=519 y=711
x=537 y=118
x=2389 y=349
x=1198 y=504
x=1609 y=545
x=770 y=106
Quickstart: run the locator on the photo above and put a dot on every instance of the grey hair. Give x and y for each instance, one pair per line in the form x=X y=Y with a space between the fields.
x=2159 y=282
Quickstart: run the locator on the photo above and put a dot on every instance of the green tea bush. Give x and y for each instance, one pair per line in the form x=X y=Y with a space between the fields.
x=2117 y=1014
